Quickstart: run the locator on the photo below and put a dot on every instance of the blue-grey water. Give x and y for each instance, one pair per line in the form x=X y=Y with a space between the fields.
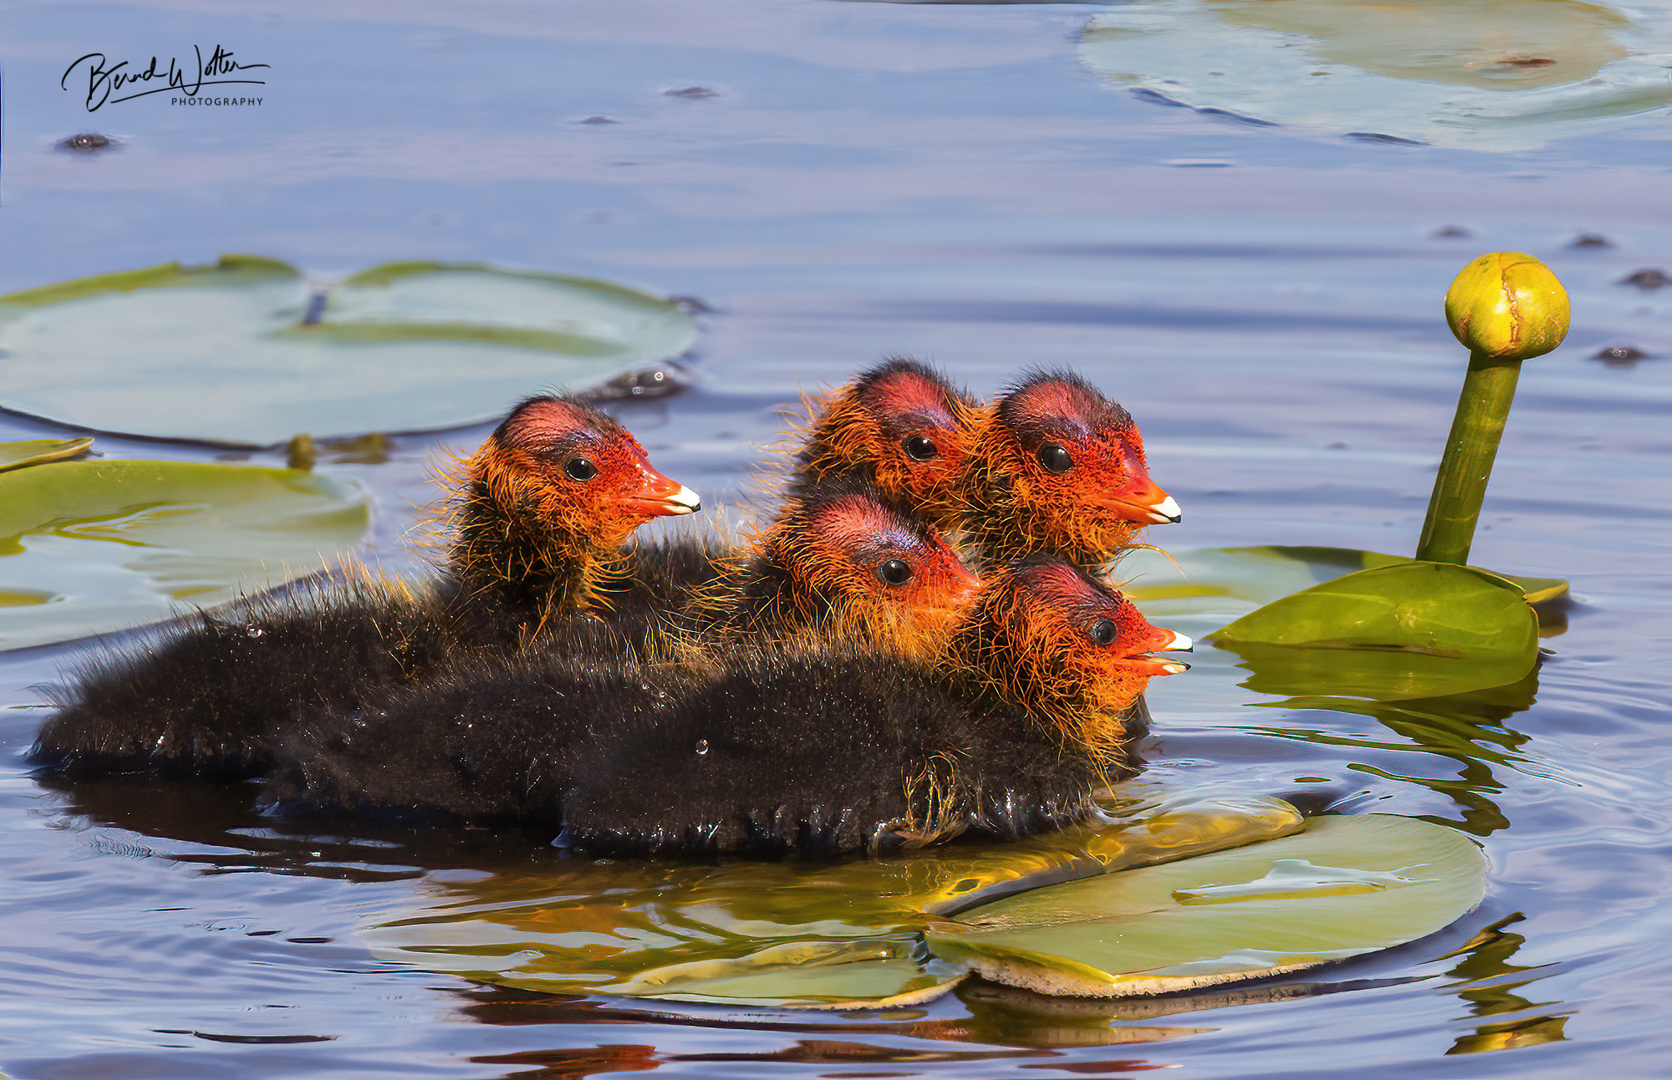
x=949 y=181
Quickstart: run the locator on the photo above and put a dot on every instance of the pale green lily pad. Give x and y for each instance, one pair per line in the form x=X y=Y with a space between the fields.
x=91 y=546
x=802 y=933
x=24 y=452
x=1479 y=74
x=250 y=352
x=1344 y=887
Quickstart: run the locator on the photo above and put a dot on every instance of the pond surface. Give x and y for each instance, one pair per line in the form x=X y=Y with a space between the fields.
x=961 y=183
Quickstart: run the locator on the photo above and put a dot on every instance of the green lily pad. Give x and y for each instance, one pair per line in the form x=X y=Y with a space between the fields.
x=808 y=934
x=1436 y=609
x=91 y=546
x=250 y=352
x=1264 y=573
x=1343 y=887
x=16 y=455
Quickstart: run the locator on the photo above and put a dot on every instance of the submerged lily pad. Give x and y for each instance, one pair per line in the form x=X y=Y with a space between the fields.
x=16 y=455
x=250 y=352
x=1481 y=74
x=809 y=934
x=1343 y=887
x=90 y=546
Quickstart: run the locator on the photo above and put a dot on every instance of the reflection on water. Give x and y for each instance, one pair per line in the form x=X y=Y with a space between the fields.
x=1467 y=729
x=1484 y=74
x=1489 y=985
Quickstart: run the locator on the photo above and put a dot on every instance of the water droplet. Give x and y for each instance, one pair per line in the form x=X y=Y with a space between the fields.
x=702 y=746
x=253 y=631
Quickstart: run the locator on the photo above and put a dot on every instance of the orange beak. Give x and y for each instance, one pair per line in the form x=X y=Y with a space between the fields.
x=963 y=584
x=1139 y=499
x=657 y=496
x=1160 y=640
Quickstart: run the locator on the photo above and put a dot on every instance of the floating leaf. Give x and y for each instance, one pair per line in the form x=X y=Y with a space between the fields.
x=805 y=933
x=1265 y=573
x=90 y=546
x=15 y=455
x=1436 y=608
x=249 y=352
x=1343 y=887
x=1486 y=75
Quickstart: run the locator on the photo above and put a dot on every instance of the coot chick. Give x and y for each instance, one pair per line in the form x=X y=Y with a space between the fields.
x=818 y=747
x=542 y=510
x=1054 y=467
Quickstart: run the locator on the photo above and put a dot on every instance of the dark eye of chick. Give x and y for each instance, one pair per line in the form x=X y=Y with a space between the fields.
x=1054 y=457
x=919 y=447
x=580 y=469
x=894 y=572
x=1102 y=632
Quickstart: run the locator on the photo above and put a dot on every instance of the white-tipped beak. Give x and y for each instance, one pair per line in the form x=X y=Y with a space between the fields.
x=1165 y=512
x=1180 y=643
x=1175 y=667
x=685 y=500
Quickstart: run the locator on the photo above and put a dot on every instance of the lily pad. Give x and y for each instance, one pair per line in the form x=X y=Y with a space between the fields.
x=1344 y=887
x=91 y=546
x=1264 y=573
x=808 y=934
x=1436 y=609
x=1481 y=74
x=251 y=352
x=16 y=455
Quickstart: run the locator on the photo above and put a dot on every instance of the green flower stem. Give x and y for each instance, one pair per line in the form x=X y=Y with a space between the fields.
x=1454 y=508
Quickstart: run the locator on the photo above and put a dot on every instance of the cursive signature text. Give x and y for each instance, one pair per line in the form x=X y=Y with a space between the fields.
x=105 y=84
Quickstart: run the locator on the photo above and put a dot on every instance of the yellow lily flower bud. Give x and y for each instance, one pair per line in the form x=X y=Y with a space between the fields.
x=1508 y=306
